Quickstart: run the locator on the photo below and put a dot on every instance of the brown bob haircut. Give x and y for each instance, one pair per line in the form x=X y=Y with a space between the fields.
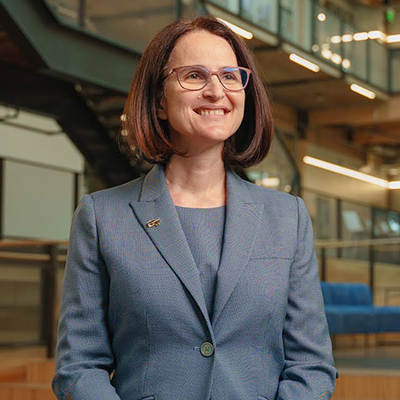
x=148 y=136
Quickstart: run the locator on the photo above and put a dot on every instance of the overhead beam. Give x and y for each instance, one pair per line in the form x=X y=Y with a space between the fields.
x=360 y=115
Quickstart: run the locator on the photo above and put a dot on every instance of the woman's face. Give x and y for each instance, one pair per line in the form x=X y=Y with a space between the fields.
x=191 y=124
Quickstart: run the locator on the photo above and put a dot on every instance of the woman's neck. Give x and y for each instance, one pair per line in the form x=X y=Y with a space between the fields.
x=197 y=182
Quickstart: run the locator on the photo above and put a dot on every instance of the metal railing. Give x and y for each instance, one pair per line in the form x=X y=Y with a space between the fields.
x=384 y=277
x=46 y=257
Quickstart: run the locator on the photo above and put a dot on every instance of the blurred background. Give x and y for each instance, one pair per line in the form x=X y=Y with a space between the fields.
x=332 y=68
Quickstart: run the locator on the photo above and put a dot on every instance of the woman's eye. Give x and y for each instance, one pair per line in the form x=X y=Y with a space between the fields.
x=229 y=77
x=194 y=76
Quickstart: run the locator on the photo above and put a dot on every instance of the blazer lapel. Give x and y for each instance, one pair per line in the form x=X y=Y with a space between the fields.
x=243 y=218
x=155 y=203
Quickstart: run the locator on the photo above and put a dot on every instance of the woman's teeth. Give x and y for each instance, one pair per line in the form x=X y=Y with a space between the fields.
x=212 y=112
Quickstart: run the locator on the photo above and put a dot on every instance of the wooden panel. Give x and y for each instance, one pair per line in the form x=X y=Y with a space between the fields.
x=367 y=387
x=13 y=375
x=42 y=372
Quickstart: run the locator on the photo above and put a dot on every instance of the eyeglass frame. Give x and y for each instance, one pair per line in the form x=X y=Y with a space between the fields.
x=177 y=69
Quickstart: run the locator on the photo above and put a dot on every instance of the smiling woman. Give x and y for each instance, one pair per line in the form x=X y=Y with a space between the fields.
x=190 y=283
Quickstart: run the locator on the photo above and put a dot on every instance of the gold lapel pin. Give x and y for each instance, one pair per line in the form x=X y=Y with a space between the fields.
x=153 y=222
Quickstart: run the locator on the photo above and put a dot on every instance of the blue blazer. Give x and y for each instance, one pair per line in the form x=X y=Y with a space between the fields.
x=133 y=307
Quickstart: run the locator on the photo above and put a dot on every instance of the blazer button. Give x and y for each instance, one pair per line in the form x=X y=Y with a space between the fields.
x=207 y=349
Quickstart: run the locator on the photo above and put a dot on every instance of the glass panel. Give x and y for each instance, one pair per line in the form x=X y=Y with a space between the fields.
x=192 y=8
x=305 y=25
x=356 y=225
x=387 y=224
x=325 y=43
x=276 y=171
x=132 y=23
x=230 y=5
x=354 y=53
x=289 y=12
x=323 y=213
x=19 y=305
x=395 y=71
x=378 y=61
x=263 y=13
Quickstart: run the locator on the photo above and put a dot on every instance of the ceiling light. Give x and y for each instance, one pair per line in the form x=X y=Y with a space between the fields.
x=326 y=54
x=394 y=185
x=363 y=91
x=346 y=63
x=377 y=35
x=393 y=38
x=270 y=182
x=360 y=36
x=336 y=58
x=304 y=63
x=321 y=17
x=240 y=31
x=347 y=38
x=336 y=39
x=315 y=162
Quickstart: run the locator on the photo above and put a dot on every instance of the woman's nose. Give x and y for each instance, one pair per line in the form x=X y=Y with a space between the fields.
x=214 y=88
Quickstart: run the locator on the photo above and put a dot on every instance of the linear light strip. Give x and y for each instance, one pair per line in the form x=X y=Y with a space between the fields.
x=346 y=171
x=394 y=185
x=237 y=29
x=393 y=38
x=363 y=91
x=304 y=62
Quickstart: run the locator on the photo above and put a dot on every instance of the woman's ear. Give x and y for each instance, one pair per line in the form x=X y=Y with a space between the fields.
x=162 y=110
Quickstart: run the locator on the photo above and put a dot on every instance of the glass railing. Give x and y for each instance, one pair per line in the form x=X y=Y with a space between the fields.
x=128 y=24
x=330 y=38
x=383 y=276
x=31 y=273
x=337 y=219
x=316 y=30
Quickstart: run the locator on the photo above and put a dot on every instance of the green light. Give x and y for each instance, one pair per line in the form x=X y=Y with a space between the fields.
x=390 y=15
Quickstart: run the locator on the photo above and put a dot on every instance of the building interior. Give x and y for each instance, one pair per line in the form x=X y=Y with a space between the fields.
x=332 y=70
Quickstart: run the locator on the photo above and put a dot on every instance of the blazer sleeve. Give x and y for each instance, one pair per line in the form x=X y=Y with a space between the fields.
x=84 y=359
x=309 y=371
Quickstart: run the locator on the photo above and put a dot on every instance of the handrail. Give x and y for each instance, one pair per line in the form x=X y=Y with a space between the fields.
x=4 y=243
x=339 y=244
x=34 y=257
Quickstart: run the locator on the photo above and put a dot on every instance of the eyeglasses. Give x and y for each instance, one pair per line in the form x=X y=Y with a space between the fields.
x=196 y=77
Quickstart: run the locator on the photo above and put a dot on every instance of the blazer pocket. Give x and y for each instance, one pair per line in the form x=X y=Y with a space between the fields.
x=262 y=398
x=148 y=398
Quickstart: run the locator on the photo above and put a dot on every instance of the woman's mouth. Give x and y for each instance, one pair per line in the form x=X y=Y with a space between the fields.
x=211 y=111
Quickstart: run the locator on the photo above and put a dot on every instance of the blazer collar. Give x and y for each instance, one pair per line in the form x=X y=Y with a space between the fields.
x=155 y=203
x=241 y=224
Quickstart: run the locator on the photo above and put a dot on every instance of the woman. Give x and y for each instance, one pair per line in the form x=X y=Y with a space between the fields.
x=191 y=283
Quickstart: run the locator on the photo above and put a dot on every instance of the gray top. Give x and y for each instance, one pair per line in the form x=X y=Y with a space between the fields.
x=204 y=231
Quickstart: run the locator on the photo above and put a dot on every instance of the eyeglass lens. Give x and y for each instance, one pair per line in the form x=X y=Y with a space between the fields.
x=195 y=78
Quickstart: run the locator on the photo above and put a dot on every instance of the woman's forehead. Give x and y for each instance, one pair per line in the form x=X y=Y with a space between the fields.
x=202 y=48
